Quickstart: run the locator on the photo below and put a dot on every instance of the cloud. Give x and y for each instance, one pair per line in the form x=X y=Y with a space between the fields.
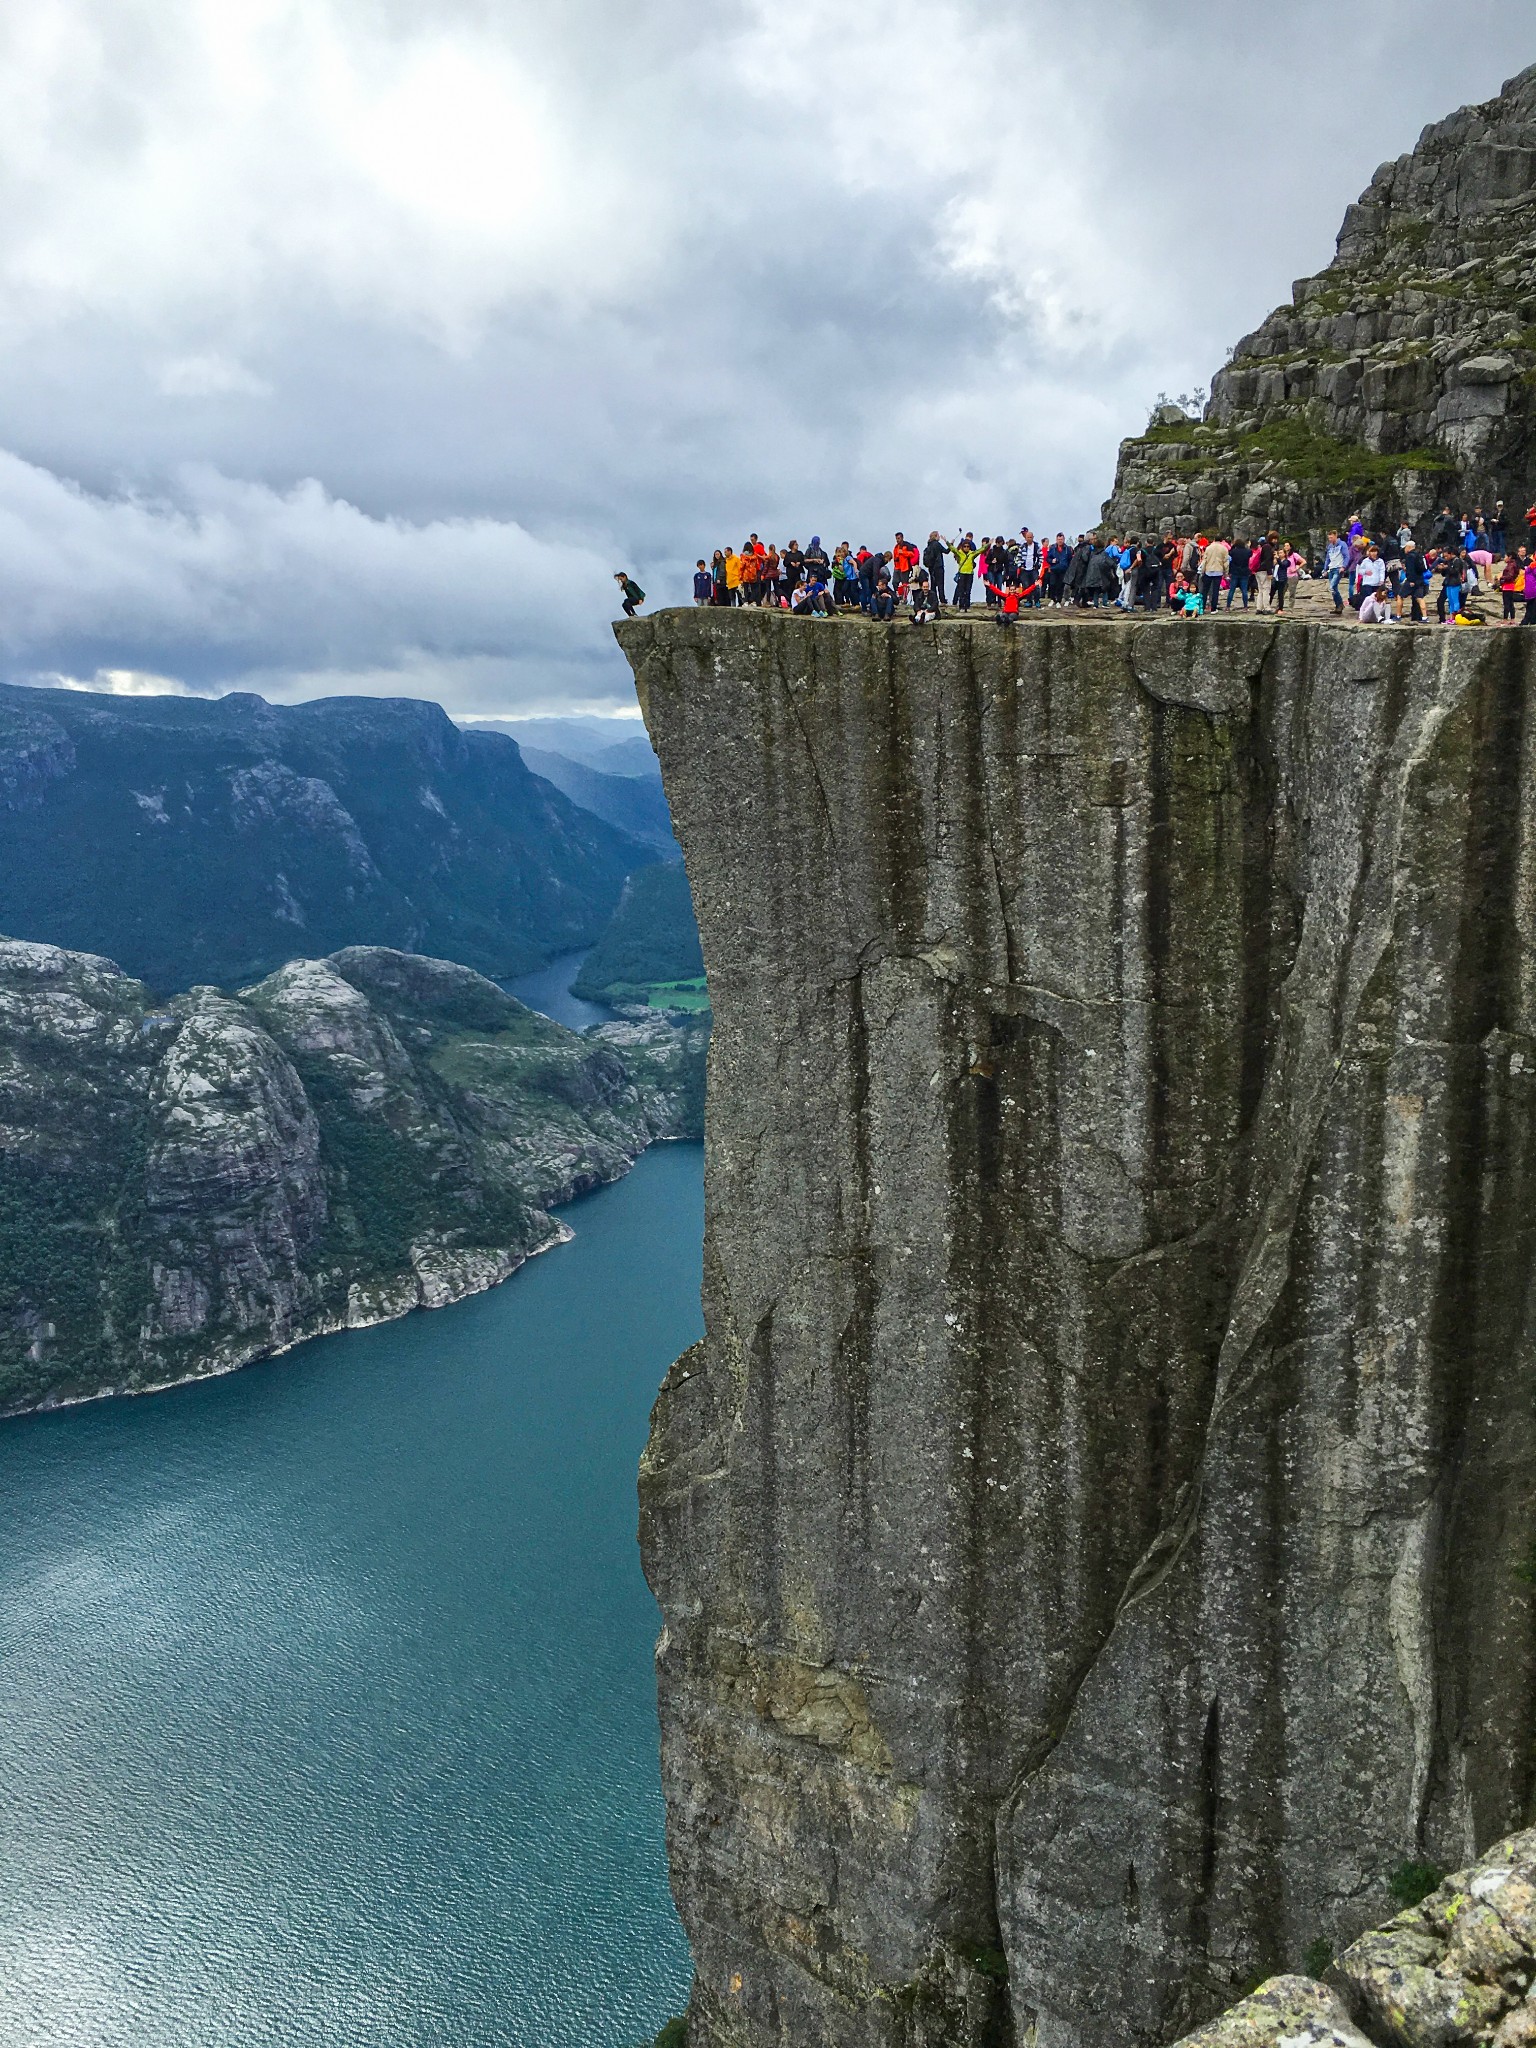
x=227 y=584
x=371 y=339
x=210 y=375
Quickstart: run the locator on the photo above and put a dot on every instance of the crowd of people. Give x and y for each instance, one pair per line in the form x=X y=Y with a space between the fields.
x=1380 y=576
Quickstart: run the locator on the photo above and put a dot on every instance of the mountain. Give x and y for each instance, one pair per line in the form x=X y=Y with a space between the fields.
x=651 y=942
x=614 y=746
x=188 y=1185
x=636 y=804
x=1402 y=376
x=207 y=841
x=1453 y=1966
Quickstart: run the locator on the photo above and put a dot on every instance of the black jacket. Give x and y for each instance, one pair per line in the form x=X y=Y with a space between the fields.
x=1101 y=579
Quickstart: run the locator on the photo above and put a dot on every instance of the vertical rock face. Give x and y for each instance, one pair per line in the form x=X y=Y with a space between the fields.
x=1089 y=1535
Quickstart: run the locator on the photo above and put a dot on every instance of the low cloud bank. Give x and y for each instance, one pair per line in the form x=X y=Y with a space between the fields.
x=225 y=584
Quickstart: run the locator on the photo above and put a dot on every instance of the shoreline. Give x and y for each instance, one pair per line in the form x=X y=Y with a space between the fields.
x=562 y=1234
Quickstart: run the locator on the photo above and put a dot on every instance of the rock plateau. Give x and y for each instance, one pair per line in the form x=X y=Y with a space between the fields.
x=1094 y=1535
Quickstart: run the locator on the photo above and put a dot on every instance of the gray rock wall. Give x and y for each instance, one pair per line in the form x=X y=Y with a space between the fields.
x=1088 y=1536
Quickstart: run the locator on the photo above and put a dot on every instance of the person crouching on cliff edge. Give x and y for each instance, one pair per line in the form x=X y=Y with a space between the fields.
x=634 y=596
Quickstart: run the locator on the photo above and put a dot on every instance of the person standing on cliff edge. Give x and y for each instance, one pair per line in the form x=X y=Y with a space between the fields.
x=933 y=562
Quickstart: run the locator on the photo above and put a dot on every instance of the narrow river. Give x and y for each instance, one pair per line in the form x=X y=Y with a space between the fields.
x=326 y=1703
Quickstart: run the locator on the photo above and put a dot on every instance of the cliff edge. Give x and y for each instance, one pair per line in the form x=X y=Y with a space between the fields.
x=1093 y=1534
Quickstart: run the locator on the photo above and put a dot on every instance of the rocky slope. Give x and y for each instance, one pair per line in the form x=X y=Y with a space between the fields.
x=1459 y=1967
x=209 y=841
x=1093 y=1536
x=185 y=1186
x=1402 y=375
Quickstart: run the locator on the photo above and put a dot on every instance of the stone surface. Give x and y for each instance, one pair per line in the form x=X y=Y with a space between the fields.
x=1089 y=1536
x=1456 y=1969
x=188 y=1186
x=1402 y=374
x=1287 y=2012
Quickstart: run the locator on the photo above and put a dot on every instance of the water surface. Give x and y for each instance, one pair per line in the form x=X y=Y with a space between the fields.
x=548 y=990
x=326 y=1706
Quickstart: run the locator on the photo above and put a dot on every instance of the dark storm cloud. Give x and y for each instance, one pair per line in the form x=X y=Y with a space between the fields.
x=370 y=344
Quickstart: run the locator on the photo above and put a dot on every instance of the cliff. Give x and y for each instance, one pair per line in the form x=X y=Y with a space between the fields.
x=204 y=840
x=1093 y=1536
x=1401 y=376
x=191 y=1185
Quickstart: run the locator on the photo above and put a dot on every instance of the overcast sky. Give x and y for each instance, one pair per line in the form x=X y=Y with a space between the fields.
x=351 y=344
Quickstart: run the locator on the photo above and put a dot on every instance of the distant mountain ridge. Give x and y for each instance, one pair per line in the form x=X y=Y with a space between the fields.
x=200 y=840
x=614 y=746
x=636 y=804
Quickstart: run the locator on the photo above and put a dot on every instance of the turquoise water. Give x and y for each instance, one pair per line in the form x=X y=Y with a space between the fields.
x=549 y=989
x=326 y=1705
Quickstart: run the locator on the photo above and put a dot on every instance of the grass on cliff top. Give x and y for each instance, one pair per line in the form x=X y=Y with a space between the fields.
x=1305 y=453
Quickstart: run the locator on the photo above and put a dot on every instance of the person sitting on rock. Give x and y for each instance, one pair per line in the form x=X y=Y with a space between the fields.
x=1376 y=608
x=1512 y=582
x=634 y=596
x=883 y=604
x=920 y=597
